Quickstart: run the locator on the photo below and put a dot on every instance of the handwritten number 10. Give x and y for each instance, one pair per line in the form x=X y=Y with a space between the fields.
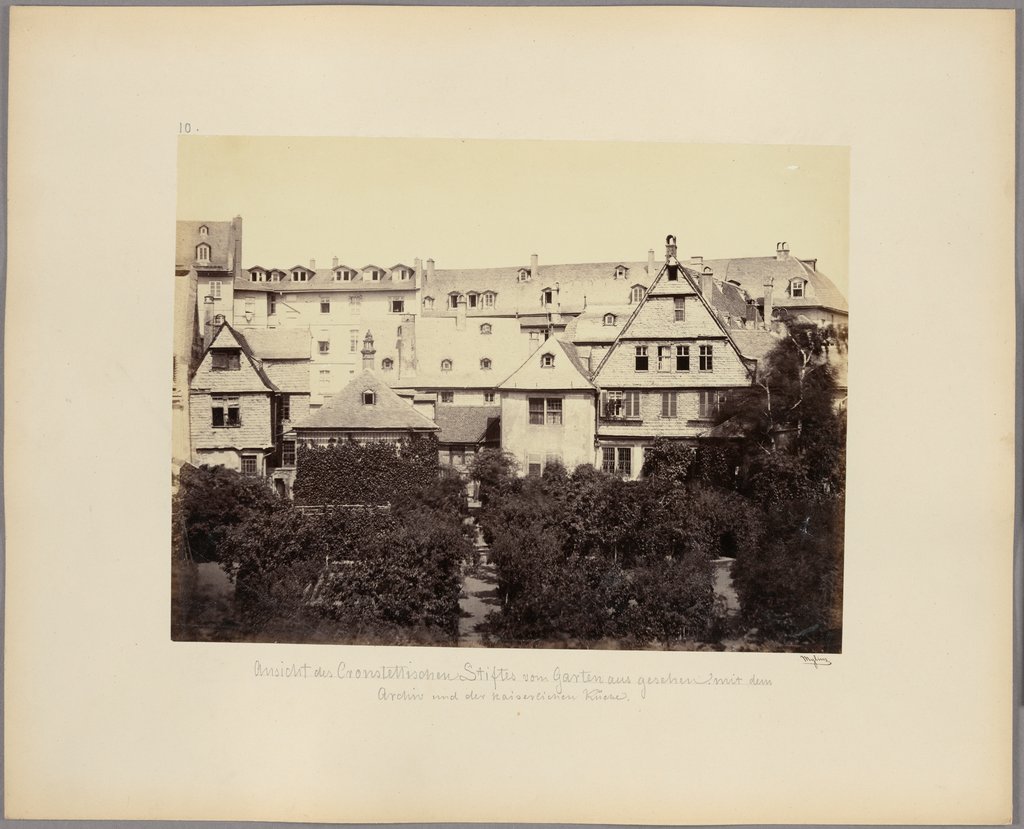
x=184 y=127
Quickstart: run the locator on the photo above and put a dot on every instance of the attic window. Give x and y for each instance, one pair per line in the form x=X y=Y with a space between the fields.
x=609 y=319
x=488 y=299
x=796 y=288
x=387 y=364
x=299 y=276
x=636 y=294
x=485 y=364
x=204 y=230
x=446 y=365
x=369 y=398
x=621 y=271
x=375 y=275
x=257 y=276
x=343 y=276
x=228 y=360
x=428 y=303
x=524 y=274
x=547 y=296
x=485 y=328
x=203 y=253
x=453 y=299
x=547 y=360
x=472 y=299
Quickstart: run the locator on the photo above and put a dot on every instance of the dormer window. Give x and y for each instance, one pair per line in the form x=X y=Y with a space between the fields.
x=609 y=319
x=453 y=299
x=796 y=288
x=524 y=274
x=369 y=398
x=428 y=303
x=226 y=360
x=547 y=360
x=488 y=299
x=636 y=294
x=547 y=296
x=343 y=275
x=275 y=276
x=257 y=275
x=299 y=275
x=203 y=253
x=485 y=328
x=387 y=364
x=621 y=271
x=204 y=230
x=485 y=364
x=446 y=365
x=472 y=299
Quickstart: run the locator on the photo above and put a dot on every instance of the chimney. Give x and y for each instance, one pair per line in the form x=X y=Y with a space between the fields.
x=417 y=266
x=368 y=352
x=312 y=264
x=650 y=262
x=334 y=262
x=781 y=250
x=430 y=272
x=767 y=313
x=670 y=248
x=751 y=312
x=460 y=313
x=534 y=267
x=706 y=282
x=236 y=265
x=696 y=260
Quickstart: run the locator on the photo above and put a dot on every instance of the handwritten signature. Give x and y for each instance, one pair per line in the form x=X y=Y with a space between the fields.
x=816 y=661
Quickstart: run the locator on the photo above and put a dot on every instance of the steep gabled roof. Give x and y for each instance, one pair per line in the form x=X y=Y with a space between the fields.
x=567 y=374
x=346 y=410
x=752 y=272
x=228 y=337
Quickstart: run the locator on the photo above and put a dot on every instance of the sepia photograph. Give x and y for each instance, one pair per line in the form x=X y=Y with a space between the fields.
x=574 y=430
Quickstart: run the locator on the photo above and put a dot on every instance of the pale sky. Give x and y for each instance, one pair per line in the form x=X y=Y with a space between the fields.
x=493 y=203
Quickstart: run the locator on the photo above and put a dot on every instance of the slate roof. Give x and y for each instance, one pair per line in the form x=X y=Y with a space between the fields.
x=346 y=410
x=568 y=372
x=226 y=332
x=220 y=240
x=290 y=376
x=752 y=272
x=467 y=424
x=753 y=342
x=322 y=280
x=589 y=326
x=279 y=343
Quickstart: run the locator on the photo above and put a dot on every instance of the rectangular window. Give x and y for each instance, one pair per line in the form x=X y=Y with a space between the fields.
x=288 y=453
x=286 y=407
x=680 y=308
x=447 y=397
x=226 y=411
x=534 y=338
x=608 y=459
x=797 y=289
x=271 y=305
x=533 y=467
x=554 y=411
x=537 y=411
x=612 y=406
x=250 y=306
x=324 y=346
x=488 y=397
x=226 y=360
x=625 y=461
x=617 y=460
x=353 y=341
x=248 y=464
x=668 y=404
x=325 y=376
x=552 y=457
x=457 y=457
x=631 y=404
x=472 y=300
x=641 y=358
x=682 y=358
x=397 y=306
x=709 y=404
x=664 y=358
x=325 y=305
x=355 y=303
x=706 y=358
x=215 y=288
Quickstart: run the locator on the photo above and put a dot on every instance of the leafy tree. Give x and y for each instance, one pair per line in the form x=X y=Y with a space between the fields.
x=212 y=500
x=495 y=471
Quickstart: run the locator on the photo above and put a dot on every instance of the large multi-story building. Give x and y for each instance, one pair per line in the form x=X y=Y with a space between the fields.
x=586 y=363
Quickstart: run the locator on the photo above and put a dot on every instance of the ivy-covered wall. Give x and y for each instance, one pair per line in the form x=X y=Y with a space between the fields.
x=350 y=473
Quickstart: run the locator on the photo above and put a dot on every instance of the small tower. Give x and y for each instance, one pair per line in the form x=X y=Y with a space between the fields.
x=671 y=263
x=368 y=352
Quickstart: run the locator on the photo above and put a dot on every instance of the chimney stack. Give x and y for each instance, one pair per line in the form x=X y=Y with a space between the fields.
x=236 y=264
x=696 y=260
x=334 y=262
x=706 y=283
x=534 y=267
x=781 y=250
x=768 y=308
x=312 y=264
x=670 y=248
x=460 y=312
x=650 y=262
x=417 y=266
x=430 y=272
x=368 y=352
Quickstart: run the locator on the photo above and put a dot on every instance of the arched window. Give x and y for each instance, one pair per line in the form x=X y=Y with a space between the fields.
x=524 y=274
x=485 y=328
x=636 y=293
x=387 y=364
x=446 y=365
x=428 y=303
x=609 y=319
x=218 y=319
x=621 y=271
x=369 y=398
x=204 y=230
x=547 y=360
x=203 y=253
x=485 y=364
